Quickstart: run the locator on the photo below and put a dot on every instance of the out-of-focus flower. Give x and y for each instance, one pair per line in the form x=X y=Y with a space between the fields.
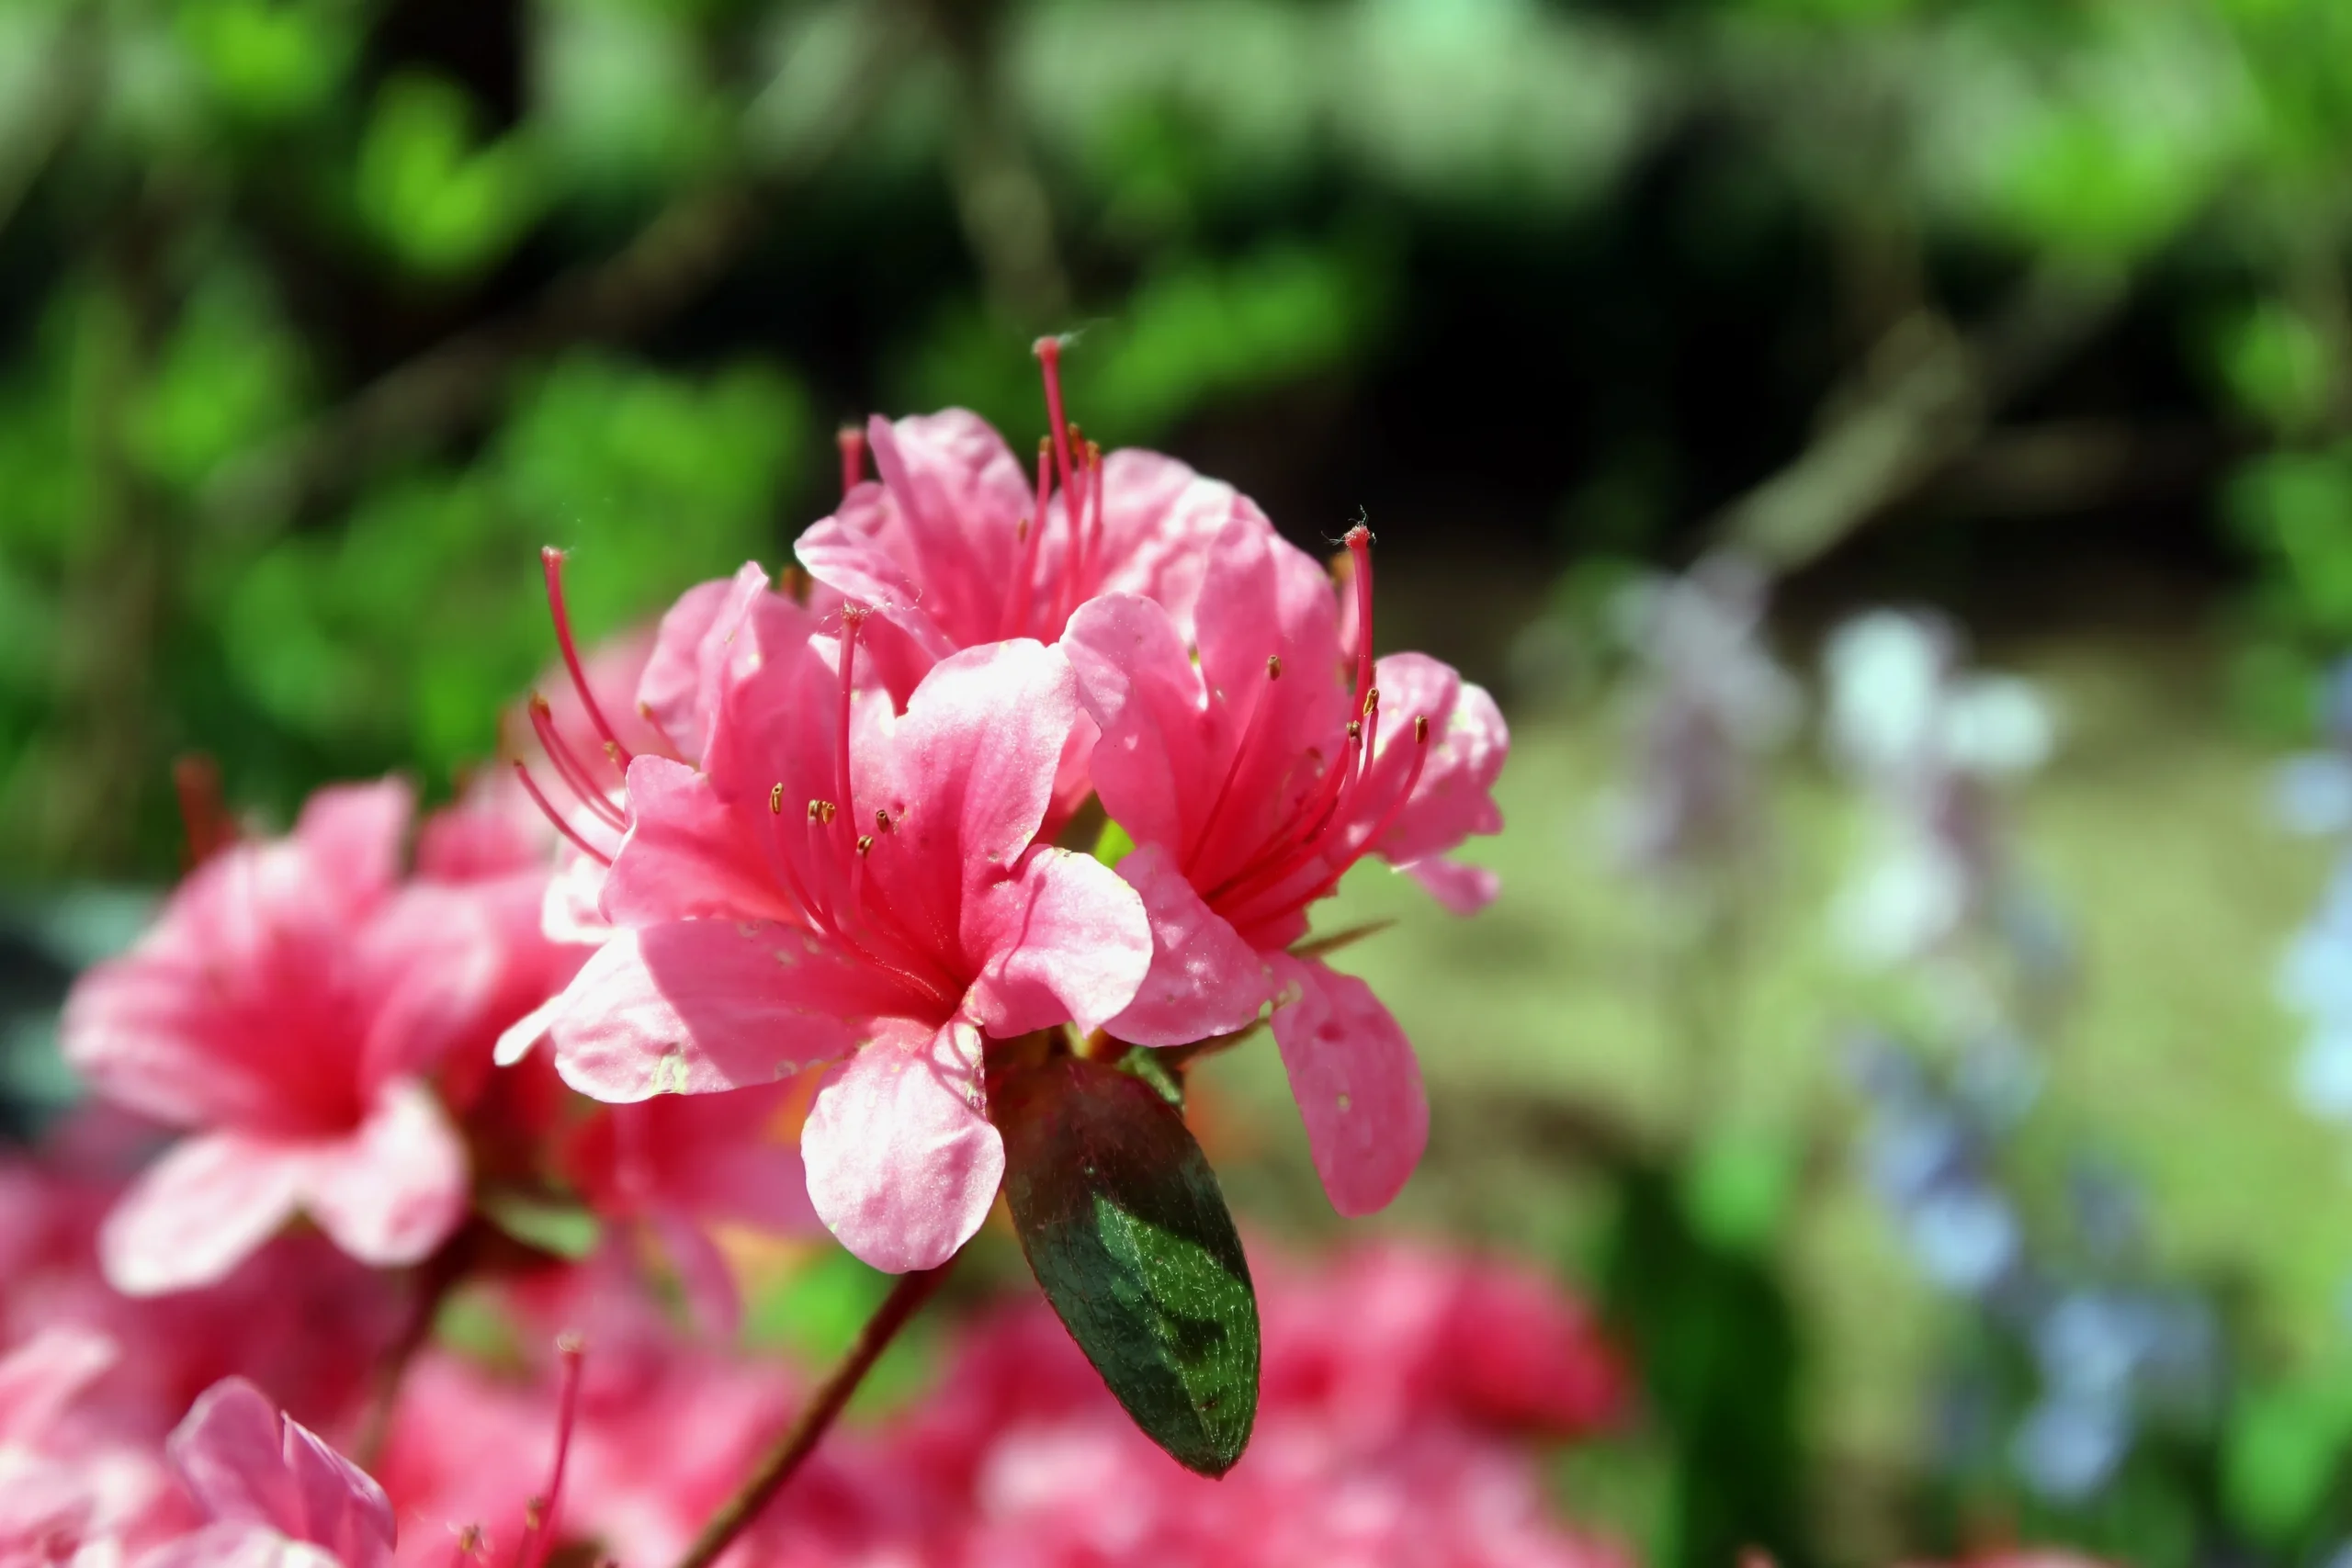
x=289 y=1007
x=1930 y=746
x=847 y=887
x=72 y=1491
x=273 y=1494
x=1250 y=776
x=1708 y=702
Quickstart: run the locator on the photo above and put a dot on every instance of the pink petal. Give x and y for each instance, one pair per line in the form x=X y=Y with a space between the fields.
x=1468 y=742
x=850 y=553
x=705 y=1278
x=1262 y=595
x=902 y=1161
x=229 y=1453
x=1462 y=889
x=966 y=774
x=1065 y=940
x=195 y=1214
x=397 y=1188
x=234 y=1544
x=353 y=833
x=1159 y=519
x=688 y=853
x=1204 y=979
x=1357 y=1083
x=678 y=691
x=1152 y=767
x=427 y=967
x=700 y=1006
x=44 y=1375
x=960 y=496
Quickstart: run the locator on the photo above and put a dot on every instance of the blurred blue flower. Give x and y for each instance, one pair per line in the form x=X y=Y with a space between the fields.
x=2069 y=1447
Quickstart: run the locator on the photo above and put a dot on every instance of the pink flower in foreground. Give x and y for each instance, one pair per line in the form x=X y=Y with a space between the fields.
x=1252 y=776
x=276 y=1495
x=288 y=1006
x=957 y=545
x=844 y=887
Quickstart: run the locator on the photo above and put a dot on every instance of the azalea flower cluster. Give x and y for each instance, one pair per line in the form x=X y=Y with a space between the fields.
x=776 y=886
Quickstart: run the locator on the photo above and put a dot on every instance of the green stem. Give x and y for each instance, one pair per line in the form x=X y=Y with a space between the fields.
x=760 y=1486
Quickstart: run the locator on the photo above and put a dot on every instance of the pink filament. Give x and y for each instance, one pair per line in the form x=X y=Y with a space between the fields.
x=530 y=787
x=551 y=561
x=852 y=441
x=539 y=1534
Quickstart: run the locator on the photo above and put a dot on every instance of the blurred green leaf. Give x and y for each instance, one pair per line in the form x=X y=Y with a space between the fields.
x=440 y=200
x=269 y=62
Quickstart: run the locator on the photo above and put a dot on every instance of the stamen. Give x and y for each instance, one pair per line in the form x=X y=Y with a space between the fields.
x=776 y=799
x=551 y=562
x=1359 y=541
x=882 y=823
x=864 y=845
x=469 y=1547
x=563 y=825
x=851 y=438
x=818 y=810
x=1274 y=667
x=1350 y=854
x=568 y=767
x=540 y=1519
x=1049 y=355
x=1370 y=725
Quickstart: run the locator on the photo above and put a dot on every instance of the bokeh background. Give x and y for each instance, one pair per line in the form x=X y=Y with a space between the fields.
x=318 y=317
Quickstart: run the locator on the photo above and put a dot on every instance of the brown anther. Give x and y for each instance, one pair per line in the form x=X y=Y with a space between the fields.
x=821 y=811
x=645 y=711
x=1421 y=728
x=1045 y=446
x=540 y=705
x=1371 y=699
x=1020 y=532
x=865 y=844
x=775 y=800
x=1274 y=667
x=613 y=749
x=1355 y=729
x=1094 y=449
x=534 y=1513
x=1076 y=437
x=471 y=1541
x=882 y=822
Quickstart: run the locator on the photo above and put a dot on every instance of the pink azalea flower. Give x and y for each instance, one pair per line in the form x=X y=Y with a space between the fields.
x=878 y=909
x=957 y=545
x=287 y=1007
x=1250 y=776
x=71 y=1491
x=276 y=1495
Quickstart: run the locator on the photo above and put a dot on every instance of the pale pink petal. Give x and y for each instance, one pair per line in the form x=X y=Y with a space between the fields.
x=1204 y=979
x=1468 y=742
x=689 y=854
x=717 y=1156
x=1262 y=595
x=44 y=1375
x=678 y=691
x=352 y=834
x=705 y=1278
x=1159 y=520
x=966 y=774
x=397 y=1188
x=851 y=555
x=902 y=1161
x=1151 y=764
x=235 y=1544
x=247 y=1463
x=195 y=1214
x=960 y=496
x=1356 y=1081
x=1462 y=889
x=514 y=1042
x=427 y=968
x=229 y=1453
x=700 y=1006
x=1065 y=940
x=570 y=910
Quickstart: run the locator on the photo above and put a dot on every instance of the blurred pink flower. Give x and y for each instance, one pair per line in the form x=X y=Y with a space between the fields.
x=1250 y=777
x=71 y=1489
x=275 y=1495
x=877 y=909
x=288 y=1006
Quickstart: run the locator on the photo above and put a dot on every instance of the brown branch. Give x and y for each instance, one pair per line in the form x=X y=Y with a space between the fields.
x=1926 y=398
x=736 y=1513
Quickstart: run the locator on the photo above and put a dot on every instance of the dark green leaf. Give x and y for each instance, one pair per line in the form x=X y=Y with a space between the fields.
x=1125 y=1227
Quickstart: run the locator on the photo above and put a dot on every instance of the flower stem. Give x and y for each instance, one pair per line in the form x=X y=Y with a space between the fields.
x=760 y=1486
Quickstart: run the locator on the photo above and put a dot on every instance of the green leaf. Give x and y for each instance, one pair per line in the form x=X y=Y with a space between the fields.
x=564 y=1229
x=1126 y=1231
x=1145 y=1062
